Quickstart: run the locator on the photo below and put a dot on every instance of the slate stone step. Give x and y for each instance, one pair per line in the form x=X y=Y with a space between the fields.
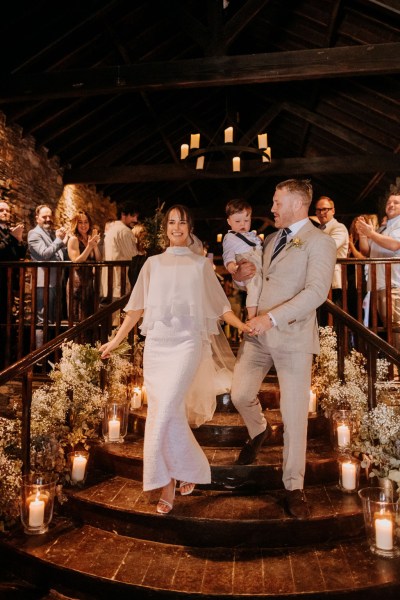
x=87 y=562
x=265 y=474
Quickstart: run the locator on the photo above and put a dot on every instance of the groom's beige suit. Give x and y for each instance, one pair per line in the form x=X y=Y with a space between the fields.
x=294 y=285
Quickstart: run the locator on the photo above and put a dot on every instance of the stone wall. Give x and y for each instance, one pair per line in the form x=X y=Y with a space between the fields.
x=28 y=177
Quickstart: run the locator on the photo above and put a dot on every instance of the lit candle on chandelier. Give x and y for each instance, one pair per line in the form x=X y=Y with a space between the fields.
x=184 y=151
x=195 y=140
x=236 y=163
x=228 y=135
x=200 y=163
x=262 y=141
x=268 y=152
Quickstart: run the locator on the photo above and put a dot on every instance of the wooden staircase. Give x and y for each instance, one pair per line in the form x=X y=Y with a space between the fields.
x=229 y=540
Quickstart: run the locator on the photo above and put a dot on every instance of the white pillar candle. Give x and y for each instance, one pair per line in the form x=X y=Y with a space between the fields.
x=144 y=394
x=195 y=140
x=384 y=533
x=261 y=236
x=262 y=141
x=36 y=512
x=343 y=436
x=136 y=400
x=236 y=163
x=78 y=468
x=228 y=135
x=184 y=151
x=348 y=476
x=219 y=237
x=114 y=428
x=200 y=163
x=312 y=405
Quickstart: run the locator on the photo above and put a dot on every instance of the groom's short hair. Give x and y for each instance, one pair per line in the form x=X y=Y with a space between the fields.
x=302 y=187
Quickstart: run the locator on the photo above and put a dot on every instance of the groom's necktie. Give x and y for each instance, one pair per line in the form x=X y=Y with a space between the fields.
x=281 y=242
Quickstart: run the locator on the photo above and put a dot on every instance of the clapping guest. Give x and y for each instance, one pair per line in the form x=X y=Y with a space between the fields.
x=45 y=244
x=12 y=248
x=181 y=301
x=385 y=243
x=82 y=247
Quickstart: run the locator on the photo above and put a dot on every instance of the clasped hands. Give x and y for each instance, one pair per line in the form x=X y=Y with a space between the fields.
x=259 y=325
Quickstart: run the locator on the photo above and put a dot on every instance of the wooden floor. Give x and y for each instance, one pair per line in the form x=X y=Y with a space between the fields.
x=232 y=539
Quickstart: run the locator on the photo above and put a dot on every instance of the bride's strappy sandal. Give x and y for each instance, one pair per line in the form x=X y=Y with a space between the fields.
x=164 y=507
x=186 y=488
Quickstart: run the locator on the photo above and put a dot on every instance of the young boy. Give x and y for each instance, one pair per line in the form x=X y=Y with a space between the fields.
x=240 y=243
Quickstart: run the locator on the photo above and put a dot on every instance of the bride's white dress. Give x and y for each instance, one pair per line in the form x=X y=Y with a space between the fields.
x=182 y=301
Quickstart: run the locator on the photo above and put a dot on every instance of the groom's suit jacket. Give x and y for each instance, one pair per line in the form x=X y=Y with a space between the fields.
x=294 y=285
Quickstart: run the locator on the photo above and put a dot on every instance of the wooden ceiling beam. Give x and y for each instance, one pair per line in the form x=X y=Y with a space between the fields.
x=289 y=167
x=321 y=63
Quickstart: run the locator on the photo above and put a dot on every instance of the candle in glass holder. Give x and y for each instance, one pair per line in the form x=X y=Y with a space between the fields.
x=36 y=512
x=312 y=405
x=343 y=436
x=348 y=475
x=113 y=430
x=136 y=400
x=78 y=468
x=144 y=394
x=383 y=532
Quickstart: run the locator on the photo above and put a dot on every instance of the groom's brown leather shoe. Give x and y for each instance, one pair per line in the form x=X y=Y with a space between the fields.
x=250 y=450
x=296 y=504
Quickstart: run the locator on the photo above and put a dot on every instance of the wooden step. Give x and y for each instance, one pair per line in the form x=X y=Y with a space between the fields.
x=90 y=563
x=265 y=474
x=228 y=429
x=216 y=518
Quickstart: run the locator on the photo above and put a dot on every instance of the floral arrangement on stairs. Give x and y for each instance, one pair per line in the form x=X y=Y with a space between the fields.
x=376 y=437
x=65 y=415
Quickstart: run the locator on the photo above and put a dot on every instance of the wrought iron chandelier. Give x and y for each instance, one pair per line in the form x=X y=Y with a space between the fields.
x=239 y=158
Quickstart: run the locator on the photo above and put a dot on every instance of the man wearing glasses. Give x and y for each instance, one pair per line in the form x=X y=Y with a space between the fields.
x=325 y=212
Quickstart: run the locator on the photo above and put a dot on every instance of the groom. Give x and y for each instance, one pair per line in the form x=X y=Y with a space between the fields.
x=298 y=264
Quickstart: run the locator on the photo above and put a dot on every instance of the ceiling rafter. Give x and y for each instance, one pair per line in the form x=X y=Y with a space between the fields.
x=234 y=70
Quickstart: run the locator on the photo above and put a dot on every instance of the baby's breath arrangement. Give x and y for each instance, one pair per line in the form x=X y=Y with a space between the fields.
x=10 y=469
x=334 y=394
x=66 y=413
x=378 y=442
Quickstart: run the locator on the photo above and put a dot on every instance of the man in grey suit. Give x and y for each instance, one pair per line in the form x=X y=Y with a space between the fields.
x=45 y=244
x=298 y=264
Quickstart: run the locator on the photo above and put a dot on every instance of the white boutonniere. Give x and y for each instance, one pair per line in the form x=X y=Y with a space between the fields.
x=294 y=243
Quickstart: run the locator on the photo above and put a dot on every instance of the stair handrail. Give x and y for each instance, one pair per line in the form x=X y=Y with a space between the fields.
x=24 y=367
